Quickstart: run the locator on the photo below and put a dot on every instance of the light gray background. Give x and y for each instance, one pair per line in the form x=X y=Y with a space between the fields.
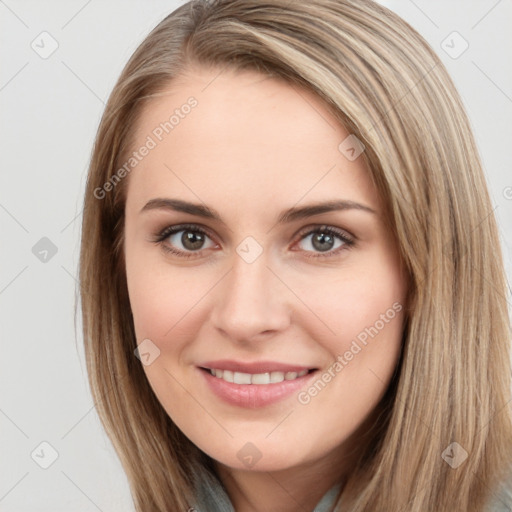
x=50 y=109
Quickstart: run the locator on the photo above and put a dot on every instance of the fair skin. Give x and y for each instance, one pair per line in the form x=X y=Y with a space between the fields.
x=253 y=147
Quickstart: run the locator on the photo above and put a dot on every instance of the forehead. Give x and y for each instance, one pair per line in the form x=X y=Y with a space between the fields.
x=244 y=135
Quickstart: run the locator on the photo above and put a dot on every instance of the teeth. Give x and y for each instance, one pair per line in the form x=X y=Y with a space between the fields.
x=227 y=375
x=256 y=378
x=276 y=377
x=242 y=378
x=260 y=378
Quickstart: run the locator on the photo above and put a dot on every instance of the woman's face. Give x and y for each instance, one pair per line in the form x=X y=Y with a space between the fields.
x=267 y=283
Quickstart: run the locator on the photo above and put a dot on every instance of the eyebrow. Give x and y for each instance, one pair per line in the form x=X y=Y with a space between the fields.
x=289 y=215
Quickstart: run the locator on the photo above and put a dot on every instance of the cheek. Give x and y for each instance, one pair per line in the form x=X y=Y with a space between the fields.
x=162 y=301
x=345 y=308
x=159 y=295
x=371 y=347
x=361 y=329
x=152 y=308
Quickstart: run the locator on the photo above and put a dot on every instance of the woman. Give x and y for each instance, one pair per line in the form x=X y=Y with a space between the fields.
x=292 y=293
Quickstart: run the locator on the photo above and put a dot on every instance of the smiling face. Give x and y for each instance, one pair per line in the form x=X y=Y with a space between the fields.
x=252 y=290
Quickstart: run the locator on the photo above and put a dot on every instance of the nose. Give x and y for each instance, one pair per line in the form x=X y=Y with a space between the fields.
x=252 y=303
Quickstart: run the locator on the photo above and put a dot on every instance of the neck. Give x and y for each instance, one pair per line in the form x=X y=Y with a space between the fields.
x=290 y=490
x=297 y=488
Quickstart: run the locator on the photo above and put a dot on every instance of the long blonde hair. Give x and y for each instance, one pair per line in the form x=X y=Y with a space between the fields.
x=387 y=87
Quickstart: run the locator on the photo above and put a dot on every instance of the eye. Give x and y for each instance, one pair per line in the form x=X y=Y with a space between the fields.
x=188 y=241
x=325 y=241
x=190 y=237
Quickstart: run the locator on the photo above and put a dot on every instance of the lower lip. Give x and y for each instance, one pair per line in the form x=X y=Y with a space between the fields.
x=253 y=396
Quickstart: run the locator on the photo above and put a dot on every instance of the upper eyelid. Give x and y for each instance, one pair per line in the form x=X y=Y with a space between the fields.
x=172 y=229
x=307 y=230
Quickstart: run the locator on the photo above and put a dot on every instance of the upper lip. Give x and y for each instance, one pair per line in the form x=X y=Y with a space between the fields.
x=253 y=367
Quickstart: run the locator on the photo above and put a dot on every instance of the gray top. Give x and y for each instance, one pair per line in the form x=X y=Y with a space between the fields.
x=502 y=500
x=212 y=497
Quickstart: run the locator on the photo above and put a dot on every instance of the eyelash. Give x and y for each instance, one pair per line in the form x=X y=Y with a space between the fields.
x=161 y=236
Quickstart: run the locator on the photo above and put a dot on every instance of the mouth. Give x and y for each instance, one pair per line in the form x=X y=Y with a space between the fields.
x=264 y=378
x=257 y=388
